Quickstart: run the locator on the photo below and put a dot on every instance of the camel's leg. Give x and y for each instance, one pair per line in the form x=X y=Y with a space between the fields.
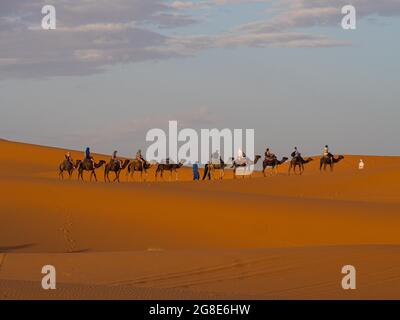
x=61 y=175
x=94 y=175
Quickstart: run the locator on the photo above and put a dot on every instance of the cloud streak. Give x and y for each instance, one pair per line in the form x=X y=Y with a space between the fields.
x=92 y=34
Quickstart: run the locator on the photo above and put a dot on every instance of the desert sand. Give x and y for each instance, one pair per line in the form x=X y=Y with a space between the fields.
x=279 y=237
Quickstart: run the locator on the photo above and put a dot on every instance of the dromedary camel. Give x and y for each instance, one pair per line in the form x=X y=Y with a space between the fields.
x=169 y=167
x=327 y=161
x=87 y=165
x=116 y=167
x=298 y=162
x=273 y=163
x=136 y=165
x=212 y=167
x=68 y=166
x=244 y=164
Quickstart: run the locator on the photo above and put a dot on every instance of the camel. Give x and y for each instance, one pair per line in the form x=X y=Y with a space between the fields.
x=298 y=162
x=169 y=167
x=218 y=166
x=116 y=167
x=274 y=163
x=68 y=166
x=87 y=165
x=136 y=165
x=329 y=161
x=244 y=165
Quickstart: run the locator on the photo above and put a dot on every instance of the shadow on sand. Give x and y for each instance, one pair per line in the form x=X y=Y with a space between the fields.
x=15 y=248
x=80 y=251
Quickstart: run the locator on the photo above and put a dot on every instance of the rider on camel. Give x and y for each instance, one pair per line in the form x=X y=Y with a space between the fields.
x=88 y=156
x=296 y=155
x=269 y=155
x=115 y=159
x=326 y=154
x=140 y=158
x=68 y=158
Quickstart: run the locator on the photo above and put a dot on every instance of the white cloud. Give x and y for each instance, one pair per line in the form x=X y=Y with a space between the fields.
x=93 y=34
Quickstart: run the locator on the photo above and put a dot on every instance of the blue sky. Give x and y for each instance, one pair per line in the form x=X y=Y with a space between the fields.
x=115 y=69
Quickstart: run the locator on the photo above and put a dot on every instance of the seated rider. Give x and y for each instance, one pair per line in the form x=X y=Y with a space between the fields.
x=296 y=154
x=68 y=158
x=215 y=158
x=88 y=156
x=140 y=158
x=326 y=153
x=115 y=159
x=269 y=155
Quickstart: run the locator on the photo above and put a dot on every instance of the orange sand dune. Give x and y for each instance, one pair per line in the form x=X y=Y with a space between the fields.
x=275 y=237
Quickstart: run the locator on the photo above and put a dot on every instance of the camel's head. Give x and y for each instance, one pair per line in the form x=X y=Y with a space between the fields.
x=284 y=159
x=125 y=163
x=101 y=163
x=341 y=157
x=309 y=159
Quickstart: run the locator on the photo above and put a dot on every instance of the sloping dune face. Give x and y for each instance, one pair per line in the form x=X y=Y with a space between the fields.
x=278 y=236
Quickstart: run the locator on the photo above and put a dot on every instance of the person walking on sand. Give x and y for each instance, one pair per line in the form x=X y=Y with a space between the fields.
x=207 y=171
x=361 y=165
x=196 y=174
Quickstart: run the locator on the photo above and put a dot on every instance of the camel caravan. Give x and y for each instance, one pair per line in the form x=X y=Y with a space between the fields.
x=241 y=166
